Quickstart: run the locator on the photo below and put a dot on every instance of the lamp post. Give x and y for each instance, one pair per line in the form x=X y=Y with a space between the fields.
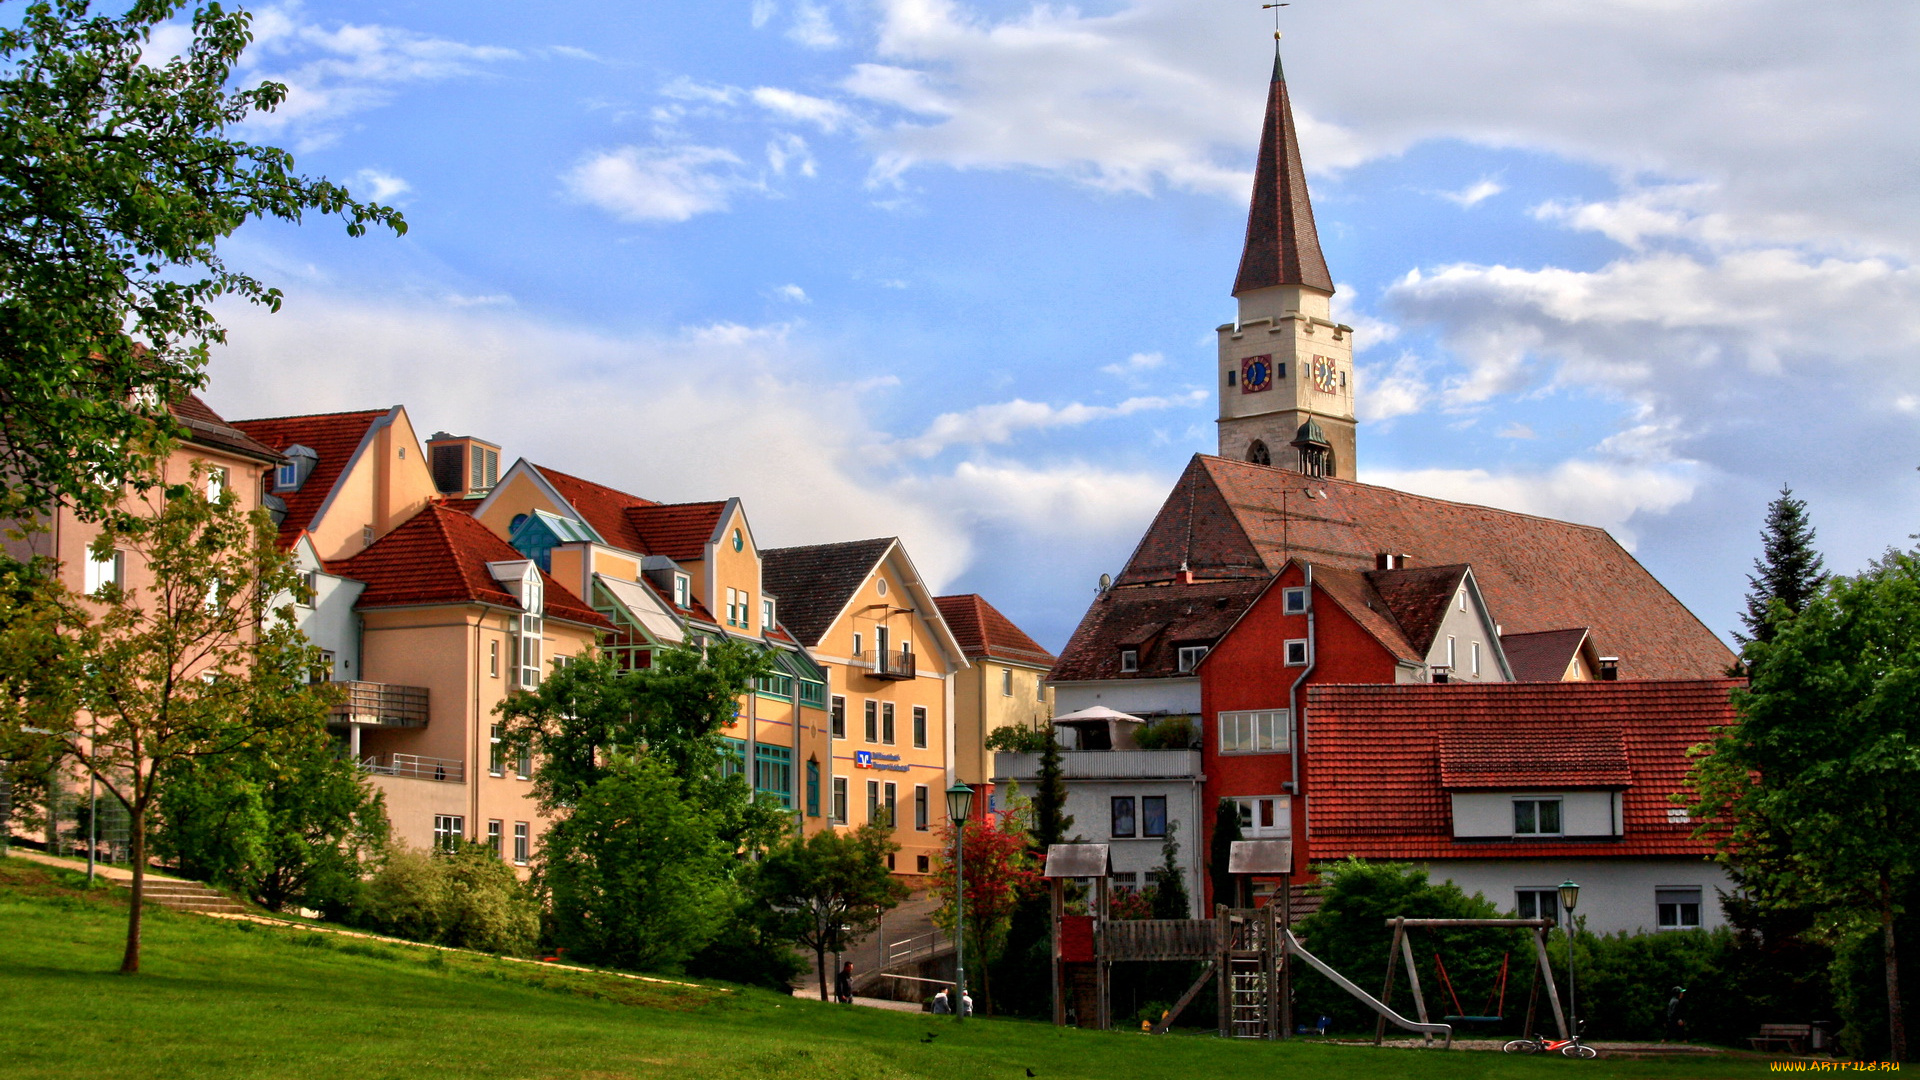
x=1569 y=898
x=959 y=808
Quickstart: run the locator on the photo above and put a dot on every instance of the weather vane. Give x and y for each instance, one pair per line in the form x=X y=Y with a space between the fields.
x=1276 y=17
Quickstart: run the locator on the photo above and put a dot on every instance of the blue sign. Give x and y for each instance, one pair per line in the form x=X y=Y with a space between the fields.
x=863 y=759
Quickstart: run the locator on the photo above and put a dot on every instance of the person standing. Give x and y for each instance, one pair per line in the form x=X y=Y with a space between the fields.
x=1676 y=1016
x=843 y=984
x=940 y=1004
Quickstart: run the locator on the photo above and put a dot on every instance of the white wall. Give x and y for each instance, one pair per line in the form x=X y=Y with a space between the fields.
x=331 y=623
x=1582 y=813
x=1615 y=894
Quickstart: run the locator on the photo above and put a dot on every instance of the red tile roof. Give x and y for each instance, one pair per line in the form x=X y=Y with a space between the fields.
x=604 y=508
x=1234 y=519
x=1543 y=656
x=1383 y=757
x=1282 y=246
x=204 y=426
x=983 y=631
x=440 y=556
x=1356 y=595
x=332 y=436
x=679 y=531
x=1155 y=620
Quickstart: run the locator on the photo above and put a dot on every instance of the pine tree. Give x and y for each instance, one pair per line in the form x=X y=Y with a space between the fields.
x=1050 y=818
x=1226 y=829
x=1169 y=888
x=1789 y=569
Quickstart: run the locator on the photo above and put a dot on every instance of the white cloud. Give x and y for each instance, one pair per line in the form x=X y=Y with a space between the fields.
x=1590 y=492
x=812 y=27
x=1384 y=391
x=1516 y=430
x=792 y=294
x=827 y=115
x=1135 y=364
x=999 y=422
x=1475 y=193
x=385 y=186
x=657 y=183
x=792 y=150
x=762 y=11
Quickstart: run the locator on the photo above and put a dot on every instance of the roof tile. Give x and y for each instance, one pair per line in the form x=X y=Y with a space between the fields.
x=983 y=631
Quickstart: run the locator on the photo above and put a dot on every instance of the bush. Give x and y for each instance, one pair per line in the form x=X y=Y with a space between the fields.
x=1014 y=739
x=1171 y=733
x=466 y=898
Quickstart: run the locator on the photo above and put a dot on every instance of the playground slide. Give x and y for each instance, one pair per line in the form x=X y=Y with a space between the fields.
x=1294 y=947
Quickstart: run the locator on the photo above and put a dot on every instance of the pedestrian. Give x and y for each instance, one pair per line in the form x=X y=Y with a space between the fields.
x=1676 y=1016
x=940 y=1005
x=843 y=984
x=966 y=1004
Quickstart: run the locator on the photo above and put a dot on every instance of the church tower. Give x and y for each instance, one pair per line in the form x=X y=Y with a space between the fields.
x=1286 y=368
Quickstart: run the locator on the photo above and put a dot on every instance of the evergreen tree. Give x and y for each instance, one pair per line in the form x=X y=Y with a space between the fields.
x=1169 y=888
x=1226 y=829
x=1050 y=818
x=1788 y=570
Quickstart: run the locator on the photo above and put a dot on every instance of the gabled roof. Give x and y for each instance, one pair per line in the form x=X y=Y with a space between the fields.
x=813 y=584
x=1545 y=655
x=1418 y=598
x=440 y=556
x=1234 y=519
x=983 y=631
x=334 y=437
x=1154 y=620
x=679 y=531
x=1385 y=755
x=204 y=426
x=1356 y=595
x=1282 y=246
x=603 y=507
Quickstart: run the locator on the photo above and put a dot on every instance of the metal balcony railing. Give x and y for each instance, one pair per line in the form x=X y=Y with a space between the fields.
x=382 y=705
x=917 y=948
x=886 y=665
x=447 y=770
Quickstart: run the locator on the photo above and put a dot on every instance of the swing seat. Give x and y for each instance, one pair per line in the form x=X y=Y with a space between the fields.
x=1475 y=1019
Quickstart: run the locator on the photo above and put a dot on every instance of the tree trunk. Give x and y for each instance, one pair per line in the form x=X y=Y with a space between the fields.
x=820 y=965
x=1896 y=1013
x=137 y=833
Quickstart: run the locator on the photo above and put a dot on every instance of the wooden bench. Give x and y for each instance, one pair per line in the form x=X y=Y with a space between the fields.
x=1788 y=1038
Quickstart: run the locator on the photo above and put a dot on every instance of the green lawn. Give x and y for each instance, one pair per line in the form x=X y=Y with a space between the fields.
x=223 y=999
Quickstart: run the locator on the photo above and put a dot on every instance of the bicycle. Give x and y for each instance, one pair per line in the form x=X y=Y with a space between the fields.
x=1540 y=1044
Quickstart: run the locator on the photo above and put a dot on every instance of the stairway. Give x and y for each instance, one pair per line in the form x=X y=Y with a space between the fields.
x=188 y=896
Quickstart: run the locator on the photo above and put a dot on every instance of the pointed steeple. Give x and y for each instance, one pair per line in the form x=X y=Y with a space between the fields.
x=1282 y=247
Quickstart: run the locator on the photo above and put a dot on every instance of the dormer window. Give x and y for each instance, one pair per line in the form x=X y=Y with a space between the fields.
x=1129 y=659
x=682 y=591
x=766 y=615
x=1190 y=656
x=289 y=476
x=295 y=466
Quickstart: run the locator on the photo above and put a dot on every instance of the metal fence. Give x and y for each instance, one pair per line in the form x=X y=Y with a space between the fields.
x=448 y=770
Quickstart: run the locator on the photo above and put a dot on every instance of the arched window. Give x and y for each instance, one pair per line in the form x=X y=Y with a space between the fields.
x=1257 y=453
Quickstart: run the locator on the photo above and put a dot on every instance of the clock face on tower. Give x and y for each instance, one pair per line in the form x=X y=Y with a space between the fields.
x=1256 y=374
x=1326 y=377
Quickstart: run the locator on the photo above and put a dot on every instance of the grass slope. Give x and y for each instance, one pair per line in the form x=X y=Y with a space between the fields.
x=226 y=999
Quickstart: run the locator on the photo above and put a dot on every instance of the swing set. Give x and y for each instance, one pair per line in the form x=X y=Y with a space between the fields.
x=1493 y=1010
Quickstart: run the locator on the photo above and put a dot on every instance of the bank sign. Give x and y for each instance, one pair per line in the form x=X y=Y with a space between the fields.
x=867 y=759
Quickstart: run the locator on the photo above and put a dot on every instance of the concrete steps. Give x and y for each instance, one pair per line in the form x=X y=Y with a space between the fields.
x=188 y=896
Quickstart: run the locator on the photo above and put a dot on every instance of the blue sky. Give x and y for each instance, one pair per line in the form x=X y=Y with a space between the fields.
x=950 y=271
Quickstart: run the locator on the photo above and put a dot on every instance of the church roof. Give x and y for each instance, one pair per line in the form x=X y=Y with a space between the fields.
x=1282 y=246
x=1234 y=520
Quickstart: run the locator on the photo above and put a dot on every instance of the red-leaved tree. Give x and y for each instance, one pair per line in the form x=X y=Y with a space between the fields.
x=999 y=870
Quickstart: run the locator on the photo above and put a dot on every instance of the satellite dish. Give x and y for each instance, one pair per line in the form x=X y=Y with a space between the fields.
x=1106 y=582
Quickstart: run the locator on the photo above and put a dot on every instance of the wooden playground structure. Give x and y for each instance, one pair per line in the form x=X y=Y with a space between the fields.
x=1251 y=949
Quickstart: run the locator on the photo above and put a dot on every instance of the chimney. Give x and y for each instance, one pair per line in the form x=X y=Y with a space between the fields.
x=462 y=465
x=1391 y=560
x=1609 y=668
x=1441 y=674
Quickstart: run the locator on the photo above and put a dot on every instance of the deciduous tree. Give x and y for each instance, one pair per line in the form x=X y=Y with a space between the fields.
x=826 y=891
x=1000 y=871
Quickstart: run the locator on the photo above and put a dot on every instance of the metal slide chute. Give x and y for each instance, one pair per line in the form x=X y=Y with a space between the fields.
x=1295 y=948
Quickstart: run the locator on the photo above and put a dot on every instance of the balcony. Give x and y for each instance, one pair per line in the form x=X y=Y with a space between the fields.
x=1104 y=765
x=895 y=666
x=445 y=770
x=372 y=704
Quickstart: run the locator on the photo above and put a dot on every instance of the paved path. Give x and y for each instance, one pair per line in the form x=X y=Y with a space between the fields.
x=110 y=871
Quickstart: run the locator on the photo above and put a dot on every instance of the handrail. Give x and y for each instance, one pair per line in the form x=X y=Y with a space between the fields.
x=1415 y=1026
x=448 y=770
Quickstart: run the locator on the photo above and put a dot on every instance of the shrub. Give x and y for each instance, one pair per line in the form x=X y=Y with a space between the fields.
x=1014 y=739
x=465 y=897
x=1171 y=733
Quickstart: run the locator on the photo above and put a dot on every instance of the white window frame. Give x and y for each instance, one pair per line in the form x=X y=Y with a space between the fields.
x=1252 y=810
x=920 y=727
x=1006 y=682
x=287 y=475
x=530 y=624
x=1189 y=657
x=1296 y=653
x=767 y=621
x=449 y=830
x=1463 y=598
x=497 y=751
x=857 y=642
x=1294 y=601
x=493 y=659
x=1473 y=655
x=1537 y=801
x=493 y=838
x=733 y=598
x=1254 y=731
x=887 y=717
x=1450 y=654
x=682 y=591
x=1698 y=903
x=103 y=572
x=217 y=480
x=1129 y=660
x=870 y=721
x=922 y=807
x=1538 y=895
x=522 y=843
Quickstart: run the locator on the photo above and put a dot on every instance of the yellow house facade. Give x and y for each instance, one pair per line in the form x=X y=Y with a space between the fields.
x=1005 y=684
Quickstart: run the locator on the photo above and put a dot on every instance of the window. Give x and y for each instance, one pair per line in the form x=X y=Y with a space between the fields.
x=733 y=757
x=920 y=807
x=493 y=659
x=881 y=586
x=1231 y=376
x=766 y=615
x=813 y=787
x=745 y=614
x=288 y=475
x=1536 y=817
x=1153 y=815
x=527 y=643
x=497 y=763
x=873 y=720
x=1123 y=825
x=773 y=772
x=1006 y=682
x=920 y=726
x=1039 y=688
x=1473 y=656
x=873 y=800
x=814 y=694
x=1294 y=601
x=1678 y=909
x=838 y=717
x=1129 y=659
x=104 y=572
x=1297 y=652
x=892 y=800
x=366 y=536
x=216 y=484
x=524 y=764
x=493 y=839
x=922 y=863
x=322 y=670
x=1191 y=655
x=886 y=722
x=1537 y=903
x=775 y=684
x=1449 y=652
x=733 y=597
x=857 y=642
x=1463 y=598
x=682 y=591
x=448 y=831
x=1265 y=817
x=309 y=589
x=1263 y=731
x=520 y=844
x=838 y=810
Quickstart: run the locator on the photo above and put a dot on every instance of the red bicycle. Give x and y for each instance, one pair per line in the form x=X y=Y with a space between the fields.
x=1540 y=1044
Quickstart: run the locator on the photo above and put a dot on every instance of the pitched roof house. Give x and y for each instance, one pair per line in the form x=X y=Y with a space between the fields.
x=1005 y=684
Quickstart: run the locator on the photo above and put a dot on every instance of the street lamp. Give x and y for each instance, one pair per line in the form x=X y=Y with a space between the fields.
x=1569 y=899
x=959 y=808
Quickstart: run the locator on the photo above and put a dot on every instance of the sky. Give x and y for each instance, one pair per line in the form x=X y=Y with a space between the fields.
x=951 y=270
